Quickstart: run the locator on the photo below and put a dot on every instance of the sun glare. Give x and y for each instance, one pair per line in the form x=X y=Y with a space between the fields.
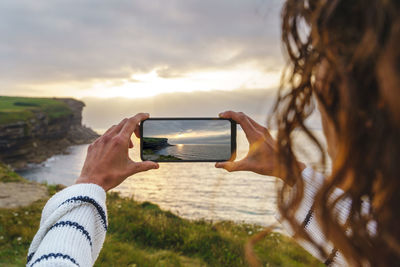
x=149 y=84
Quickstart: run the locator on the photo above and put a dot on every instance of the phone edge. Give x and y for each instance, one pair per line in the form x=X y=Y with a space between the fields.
x=233 y=137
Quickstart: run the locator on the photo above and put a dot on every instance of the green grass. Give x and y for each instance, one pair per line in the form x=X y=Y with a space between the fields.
x=151 y=155
x=141 y=234
x=17 y=228
x=148 y=152
x=14 y=109
x=7 y=175
x=156 y=157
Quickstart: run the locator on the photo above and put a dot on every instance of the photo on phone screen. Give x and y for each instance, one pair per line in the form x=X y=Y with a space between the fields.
x=180 y=140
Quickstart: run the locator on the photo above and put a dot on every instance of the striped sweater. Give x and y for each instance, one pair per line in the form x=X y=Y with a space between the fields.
x=72 y=228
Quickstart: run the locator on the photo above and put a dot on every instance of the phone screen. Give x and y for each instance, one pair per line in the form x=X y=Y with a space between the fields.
x=188 y=139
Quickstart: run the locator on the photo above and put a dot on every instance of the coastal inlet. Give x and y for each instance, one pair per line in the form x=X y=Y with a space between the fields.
x=152 y=147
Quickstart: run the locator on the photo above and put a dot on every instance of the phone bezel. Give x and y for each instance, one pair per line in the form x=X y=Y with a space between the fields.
x=233 y=137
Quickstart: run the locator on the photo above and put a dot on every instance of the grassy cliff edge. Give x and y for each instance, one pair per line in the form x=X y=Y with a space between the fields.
x=14 y=109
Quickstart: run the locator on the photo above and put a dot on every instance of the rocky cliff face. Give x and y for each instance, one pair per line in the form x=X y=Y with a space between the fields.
x=155 y=143
x=36 y=139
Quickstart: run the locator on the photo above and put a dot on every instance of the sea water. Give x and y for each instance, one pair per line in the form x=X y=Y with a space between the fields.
x=190 y=190
x=197 y=151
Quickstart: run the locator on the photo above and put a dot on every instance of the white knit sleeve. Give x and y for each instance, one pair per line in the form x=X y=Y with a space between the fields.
x=72 y=228
x=305 y=216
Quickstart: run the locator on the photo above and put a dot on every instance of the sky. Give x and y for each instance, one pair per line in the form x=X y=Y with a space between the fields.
x=189 y=131
x=137 y=48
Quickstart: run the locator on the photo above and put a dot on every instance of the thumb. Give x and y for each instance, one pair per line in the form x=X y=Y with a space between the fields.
x=135 y=167
x=230 y=166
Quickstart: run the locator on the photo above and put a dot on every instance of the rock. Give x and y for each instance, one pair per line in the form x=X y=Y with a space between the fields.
x=155 y=143
x=40 y=137
x=14 y=194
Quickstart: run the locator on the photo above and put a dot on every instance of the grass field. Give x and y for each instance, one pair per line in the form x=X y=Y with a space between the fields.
x=14 y=109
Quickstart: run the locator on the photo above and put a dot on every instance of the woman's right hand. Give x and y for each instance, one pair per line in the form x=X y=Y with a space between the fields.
x=261 y=157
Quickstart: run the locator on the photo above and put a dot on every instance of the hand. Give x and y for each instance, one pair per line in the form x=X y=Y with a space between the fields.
x=261 y=157
x=107 y=162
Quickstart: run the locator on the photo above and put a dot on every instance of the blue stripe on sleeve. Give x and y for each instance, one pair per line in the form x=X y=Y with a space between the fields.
x=28 y=259
x=55 y=256
x=74 y=225
x=94 y=203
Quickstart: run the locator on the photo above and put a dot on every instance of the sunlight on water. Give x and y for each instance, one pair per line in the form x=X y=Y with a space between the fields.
x=191 y=190
x=197 y=152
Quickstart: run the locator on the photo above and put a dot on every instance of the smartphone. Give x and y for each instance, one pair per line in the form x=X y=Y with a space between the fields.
x=188 y=139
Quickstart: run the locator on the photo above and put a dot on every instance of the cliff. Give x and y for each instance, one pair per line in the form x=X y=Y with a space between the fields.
x=34 y=129
x=155 y=143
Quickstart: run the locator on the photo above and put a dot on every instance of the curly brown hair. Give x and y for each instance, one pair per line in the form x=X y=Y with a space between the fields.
x=351 y=38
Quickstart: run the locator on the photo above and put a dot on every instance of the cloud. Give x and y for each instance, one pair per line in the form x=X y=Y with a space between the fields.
x=102 y=113
x=185 y=128
x=79 y=41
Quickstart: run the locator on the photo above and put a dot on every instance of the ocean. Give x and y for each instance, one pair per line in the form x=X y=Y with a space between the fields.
x=197 y=151
x=190 y=190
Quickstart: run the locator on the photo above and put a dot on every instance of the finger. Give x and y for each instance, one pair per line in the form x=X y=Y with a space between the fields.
x=130 y=144
x=137 y=131
x=231 y=166
x=132 y=124
x=251 y=132
x=110 y=129
x=118 y=128
x=258 y=126
x=113 y=130
x=136 y=167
